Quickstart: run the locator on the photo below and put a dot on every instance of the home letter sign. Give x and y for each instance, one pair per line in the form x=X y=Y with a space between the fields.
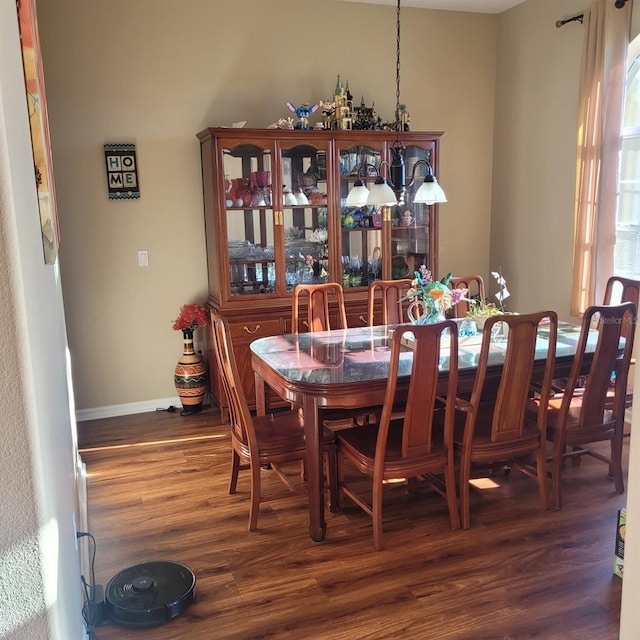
x=122 y=171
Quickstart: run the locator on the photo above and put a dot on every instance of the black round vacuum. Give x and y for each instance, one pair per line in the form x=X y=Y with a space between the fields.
x=149 y=594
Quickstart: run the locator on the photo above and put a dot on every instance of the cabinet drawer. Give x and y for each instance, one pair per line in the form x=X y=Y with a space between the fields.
x=249 y=330
x=357 y=319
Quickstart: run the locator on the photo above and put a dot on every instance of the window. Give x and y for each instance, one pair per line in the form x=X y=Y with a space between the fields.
x=627 y=249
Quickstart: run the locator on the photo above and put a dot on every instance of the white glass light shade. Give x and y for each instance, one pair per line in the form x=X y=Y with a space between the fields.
x=290 y=199
x=381 y=194
x=358 y=195
x=301 y=198
x=430 y=192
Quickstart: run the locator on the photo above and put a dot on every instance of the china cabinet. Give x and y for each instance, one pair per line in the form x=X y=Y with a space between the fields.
x=276 y=215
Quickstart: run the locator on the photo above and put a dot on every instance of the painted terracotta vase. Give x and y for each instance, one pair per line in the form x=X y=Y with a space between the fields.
x=190 y=376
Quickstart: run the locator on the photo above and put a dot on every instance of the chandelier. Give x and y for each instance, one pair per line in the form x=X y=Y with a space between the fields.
x=391 y=191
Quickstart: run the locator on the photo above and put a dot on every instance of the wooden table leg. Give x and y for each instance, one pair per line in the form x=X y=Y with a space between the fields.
x=315 y=476
x=262 y=396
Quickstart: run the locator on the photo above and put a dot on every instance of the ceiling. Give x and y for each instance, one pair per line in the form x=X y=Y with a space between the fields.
x=475 y=6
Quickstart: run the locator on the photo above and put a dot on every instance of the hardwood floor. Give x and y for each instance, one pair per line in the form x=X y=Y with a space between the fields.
x=157 y=490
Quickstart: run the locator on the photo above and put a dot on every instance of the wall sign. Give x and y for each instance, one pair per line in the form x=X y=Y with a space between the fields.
x=122 y=171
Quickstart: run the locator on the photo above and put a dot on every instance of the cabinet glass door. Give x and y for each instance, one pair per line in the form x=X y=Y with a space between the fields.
x=249 y=219
x=305 y=213
x=360 y=227
x=410 y=241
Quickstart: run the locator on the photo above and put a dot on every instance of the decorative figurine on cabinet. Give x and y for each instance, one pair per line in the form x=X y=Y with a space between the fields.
x=283 y=123
x=328 y=112
x=303 y=112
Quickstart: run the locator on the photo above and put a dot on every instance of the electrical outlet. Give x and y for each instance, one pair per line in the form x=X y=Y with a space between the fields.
x=143 y=258
x=198 y=347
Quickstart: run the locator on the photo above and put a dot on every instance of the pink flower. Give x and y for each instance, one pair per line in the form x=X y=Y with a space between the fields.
x=457 y=295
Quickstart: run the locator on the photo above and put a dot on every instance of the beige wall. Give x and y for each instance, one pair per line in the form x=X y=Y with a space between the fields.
x=534 y=152
x=156 y=73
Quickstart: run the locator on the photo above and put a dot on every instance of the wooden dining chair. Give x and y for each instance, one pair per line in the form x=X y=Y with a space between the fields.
x=384 y=302
x=476 y=291
x=408 y=447
x=581 y=416
x=499 y=431
x=260 y=441
x=617 y=290
x=319 y=297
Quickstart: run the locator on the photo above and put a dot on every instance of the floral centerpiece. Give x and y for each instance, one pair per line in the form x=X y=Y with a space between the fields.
x=432 y=297
x=480 y=309
x=191 y=317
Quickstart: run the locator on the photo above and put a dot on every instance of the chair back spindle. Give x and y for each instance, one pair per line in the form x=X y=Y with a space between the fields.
x=476 y=291
x=318 y=297
x=384 y=305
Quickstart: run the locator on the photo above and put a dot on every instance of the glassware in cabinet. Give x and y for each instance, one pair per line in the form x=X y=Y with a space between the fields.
x=249 y=219
x=361 y=238
x=411 y=224
x=306 y=226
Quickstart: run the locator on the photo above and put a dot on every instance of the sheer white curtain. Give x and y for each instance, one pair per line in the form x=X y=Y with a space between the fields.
x=602 y=82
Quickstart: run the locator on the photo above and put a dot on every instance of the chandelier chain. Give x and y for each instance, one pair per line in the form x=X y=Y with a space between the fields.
x=398 y=68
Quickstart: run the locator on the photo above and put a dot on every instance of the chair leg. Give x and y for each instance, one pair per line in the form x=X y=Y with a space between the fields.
x=254 y=508
x=332 y=464
x=340 y=483
x=465 y=474
x=452 y=501
x=576 y=460
x=541 y=470
x=377 y=515
x=616 y=462
x=556 y=472
x=235 y=468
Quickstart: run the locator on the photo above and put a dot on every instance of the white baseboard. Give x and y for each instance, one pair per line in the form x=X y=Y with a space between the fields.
x=115 y=410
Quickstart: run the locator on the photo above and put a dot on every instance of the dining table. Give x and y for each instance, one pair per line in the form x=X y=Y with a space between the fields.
x=348 y=369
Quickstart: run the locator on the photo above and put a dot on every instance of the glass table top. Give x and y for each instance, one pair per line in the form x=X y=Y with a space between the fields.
x=360 y=354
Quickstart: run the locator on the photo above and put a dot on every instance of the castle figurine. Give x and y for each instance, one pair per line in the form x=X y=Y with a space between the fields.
x=342 y=115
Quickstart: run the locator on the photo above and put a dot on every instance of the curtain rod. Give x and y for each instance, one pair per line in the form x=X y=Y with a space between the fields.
x=619 y=4
x=577 y=18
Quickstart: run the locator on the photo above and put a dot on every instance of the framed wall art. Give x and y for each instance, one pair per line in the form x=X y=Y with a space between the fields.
x=39 y=123
x=122 y=171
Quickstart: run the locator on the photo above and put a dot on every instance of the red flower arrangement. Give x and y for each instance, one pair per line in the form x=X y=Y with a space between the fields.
x=191 y=317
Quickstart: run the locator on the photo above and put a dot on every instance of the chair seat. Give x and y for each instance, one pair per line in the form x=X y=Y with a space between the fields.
x=486 y=450
x=360 y=446
x=575 y=432
x=281 y=435
x=336 y=419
